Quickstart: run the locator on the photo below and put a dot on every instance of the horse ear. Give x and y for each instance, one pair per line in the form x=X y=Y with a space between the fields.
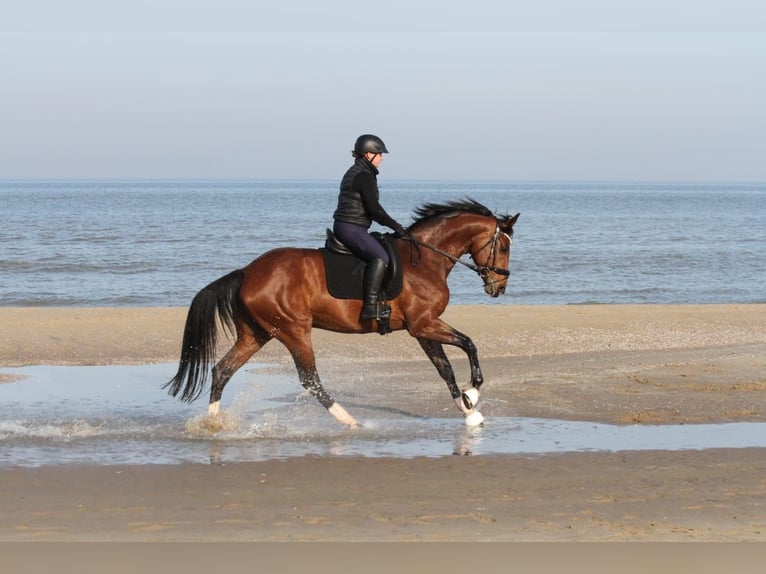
x=507 y=224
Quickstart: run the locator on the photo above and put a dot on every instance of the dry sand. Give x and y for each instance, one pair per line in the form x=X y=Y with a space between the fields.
x=619 y=364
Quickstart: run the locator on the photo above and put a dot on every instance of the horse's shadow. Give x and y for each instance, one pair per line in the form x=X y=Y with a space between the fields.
x=355 y=405
x=387 y=410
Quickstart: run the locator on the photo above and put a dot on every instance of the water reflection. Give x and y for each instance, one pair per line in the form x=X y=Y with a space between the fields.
x=468 y=441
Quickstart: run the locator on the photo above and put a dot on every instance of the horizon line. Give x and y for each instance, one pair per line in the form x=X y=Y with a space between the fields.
x=116 y=179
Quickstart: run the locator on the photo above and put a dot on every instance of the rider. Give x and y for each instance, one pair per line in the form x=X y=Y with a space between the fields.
x=358 y=207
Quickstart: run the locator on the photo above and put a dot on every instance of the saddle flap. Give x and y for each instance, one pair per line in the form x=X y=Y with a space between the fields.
x=345 y=271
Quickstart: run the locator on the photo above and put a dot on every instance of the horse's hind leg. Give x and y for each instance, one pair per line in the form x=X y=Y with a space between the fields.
x=249 y=341
x=302 y=352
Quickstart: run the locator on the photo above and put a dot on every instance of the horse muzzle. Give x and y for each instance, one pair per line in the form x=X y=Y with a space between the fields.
x=494 y=290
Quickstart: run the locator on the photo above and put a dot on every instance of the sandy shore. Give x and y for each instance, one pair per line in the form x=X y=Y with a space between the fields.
x=619 y=364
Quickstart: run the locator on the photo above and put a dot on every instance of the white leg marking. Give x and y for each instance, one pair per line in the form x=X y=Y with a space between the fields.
x=214 y=408
x=466 y=402
x=471 y=397
x=342 y=415
x=474 y=419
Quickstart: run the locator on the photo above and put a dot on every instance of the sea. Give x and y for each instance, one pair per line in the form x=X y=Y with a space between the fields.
x=156 y=243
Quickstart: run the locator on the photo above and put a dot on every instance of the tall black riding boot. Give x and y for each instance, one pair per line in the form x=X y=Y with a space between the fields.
x=373 y=279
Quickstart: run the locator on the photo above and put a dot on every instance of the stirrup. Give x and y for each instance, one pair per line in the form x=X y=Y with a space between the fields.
x=369 y=311
x=384 y=318
x=382 y=310
x=384 y=325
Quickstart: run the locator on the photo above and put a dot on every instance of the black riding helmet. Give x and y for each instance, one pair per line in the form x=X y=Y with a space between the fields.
x=369 y=143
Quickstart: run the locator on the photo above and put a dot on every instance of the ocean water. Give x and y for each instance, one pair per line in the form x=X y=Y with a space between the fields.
x=157 y=243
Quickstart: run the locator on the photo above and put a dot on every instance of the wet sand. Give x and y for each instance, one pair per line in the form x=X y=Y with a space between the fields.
x=617 y=364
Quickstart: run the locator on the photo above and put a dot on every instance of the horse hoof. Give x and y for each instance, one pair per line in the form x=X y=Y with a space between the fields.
x=470 y=398
x=342 y=416
x=474 y=419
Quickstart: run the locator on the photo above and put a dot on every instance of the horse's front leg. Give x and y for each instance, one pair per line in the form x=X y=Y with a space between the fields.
x=465 y=400
x=440 y=332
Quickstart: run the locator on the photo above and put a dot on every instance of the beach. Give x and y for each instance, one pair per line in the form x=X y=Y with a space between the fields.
x=617 y=364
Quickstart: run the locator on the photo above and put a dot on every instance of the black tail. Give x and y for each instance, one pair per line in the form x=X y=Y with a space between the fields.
x=200 y=334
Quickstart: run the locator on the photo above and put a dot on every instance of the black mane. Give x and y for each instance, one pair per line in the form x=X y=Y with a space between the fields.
x=467 y=205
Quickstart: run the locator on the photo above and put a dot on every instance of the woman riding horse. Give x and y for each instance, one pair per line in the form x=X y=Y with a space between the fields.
x=358 y=206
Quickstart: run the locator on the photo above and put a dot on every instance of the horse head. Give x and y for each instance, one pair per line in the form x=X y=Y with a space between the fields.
x=491 y=252
x=464 y=227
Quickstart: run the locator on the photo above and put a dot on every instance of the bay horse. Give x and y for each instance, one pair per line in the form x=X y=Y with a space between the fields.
x=283 y=295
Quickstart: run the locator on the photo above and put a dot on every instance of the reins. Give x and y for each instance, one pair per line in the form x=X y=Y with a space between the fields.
x=483 y=270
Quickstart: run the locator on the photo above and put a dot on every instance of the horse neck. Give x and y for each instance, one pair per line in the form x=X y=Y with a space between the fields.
x=453 y=235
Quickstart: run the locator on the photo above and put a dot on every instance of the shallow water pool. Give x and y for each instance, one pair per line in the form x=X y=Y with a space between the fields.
x=109 y=415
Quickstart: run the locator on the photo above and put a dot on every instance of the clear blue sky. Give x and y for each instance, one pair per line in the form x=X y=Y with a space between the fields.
x=470 y=90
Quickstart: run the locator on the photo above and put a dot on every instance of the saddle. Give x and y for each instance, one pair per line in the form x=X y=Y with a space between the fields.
x=345 y=271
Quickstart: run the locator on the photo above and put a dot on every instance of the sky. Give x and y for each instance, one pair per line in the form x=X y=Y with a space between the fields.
x=472 y=90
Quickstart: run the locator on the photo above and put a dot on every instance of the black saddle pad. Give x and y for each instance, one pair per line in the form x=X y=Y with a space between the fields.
x=345 y=273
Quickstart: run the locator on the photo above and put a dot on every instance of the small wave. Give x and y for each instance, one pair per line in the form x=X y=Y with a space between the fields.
x=65 y=430
x=16 y=266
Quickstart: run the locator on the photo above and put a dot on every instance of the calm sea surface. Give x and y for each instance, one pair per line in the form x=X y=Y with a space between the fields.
x=158 y=243
x=109 y=415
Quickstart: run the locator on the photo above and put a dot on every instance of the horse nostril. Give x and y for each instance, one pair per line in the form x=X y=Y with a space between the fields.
x=501 y=290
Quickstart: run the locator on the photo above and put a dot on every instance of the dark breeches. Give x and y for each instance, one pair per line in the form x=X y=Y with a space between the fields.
x=358 y=240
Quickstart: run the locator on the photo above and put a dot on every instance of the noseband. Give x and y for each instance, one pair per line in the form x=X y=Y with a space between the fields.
x=482 y=270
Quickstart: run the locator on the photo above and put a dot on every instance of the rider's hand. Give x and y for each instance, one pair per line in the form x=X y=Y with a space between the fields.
x=400 y=232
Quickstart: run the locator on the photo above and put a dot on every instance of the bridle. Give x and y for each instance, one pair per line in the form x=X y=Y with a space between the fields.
x=482 y=270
